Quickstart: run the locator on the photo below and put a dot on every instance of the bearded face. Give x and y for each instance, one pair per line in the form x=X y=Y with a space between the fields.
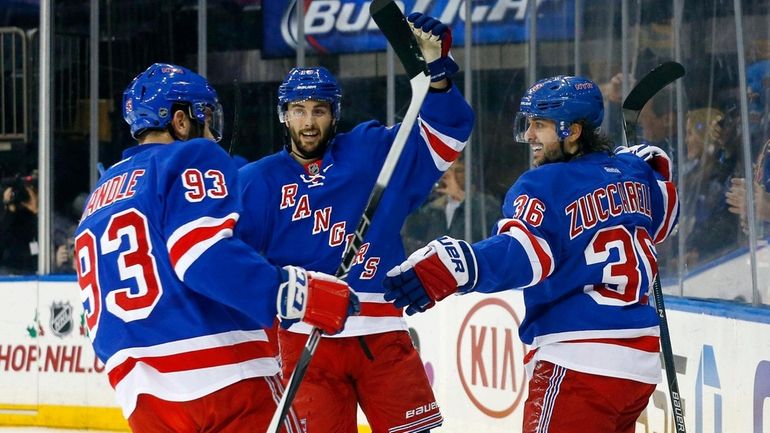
x=310 y=125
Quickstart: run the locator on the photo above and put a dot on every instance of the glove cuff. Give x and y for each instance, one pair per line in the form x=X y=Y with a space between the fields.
x=328 y=305
x=442 y=68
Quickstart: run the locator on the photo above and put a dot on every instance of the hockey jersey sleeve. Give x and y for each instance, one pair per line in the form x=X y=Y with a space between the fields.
x=442 y=129
x=665 y=207
x=202 y=209
x=663 y=194
x=525 y=246
x=444 y=125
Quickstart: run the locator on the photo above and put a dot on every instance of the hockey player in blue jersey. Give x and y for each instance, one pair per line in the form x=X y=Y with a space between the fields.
x=175 y=305
x=577 y=235
x=305 y=203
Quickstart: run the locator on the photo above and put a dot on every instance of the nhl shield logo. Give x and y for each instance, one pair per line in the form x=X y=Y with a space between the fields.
x=314 y=168
x=61 y=319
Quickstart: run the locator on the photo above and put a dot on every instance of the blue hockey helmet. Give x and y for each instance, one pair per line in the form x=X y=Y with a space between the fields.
x=563 y=99
x=302 y=84
x=147 y=101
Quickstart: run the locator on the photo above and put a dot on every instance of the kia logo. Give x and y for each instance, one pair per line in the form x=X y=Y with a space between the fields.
x=489 y=358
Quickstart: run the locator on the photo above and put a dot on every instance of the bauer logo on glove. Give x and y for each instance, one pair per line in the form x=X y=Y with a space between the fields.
x=430 y=274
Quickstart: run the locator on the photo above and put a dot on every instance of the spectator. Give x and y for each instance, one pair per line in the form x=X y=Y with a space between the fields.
x=65 y=224
x=736 y=196
x=706 y=223
x=19 y=246
x=444 y=214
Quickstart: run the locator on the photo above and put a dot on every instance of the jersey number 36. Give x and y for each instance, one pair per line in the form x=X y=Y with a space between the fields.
x=623 y=278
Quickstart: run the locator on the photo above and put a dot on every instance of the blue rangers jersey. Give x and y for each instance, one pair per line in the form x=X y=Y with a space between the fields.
x=305 y=216
x=579 y=238
x=174 y=304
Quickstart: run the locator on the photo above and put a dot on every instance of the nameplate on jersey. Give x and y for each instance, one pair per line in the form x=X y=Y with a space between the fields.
x=603 y=203
x=113 y=190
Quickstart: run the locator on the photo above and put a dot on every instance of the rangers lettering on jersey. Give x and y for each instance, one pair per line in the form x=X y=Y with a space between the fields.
x=322 y=223
x=609 y=201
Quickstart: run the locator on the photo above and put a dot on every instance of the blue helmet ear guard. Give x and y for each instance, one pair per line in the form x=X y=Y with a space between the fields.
x=302 y=84
x=565 y=100
x=148 y=100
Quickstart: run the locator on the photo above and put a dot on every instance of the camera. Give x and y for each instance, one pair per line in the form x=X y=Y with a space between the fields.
x=18 y=185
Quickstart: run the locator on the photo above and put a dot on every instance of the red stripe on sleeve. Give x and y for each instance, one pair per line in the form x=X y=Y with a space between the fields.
x=669 y=214
x=546 y=262
x=442 y=149
x=196 y=236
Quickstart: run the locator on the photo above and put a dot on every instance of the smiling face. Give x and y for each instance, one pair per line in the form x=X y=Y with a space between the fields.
x=543 y=140
x=310 y=124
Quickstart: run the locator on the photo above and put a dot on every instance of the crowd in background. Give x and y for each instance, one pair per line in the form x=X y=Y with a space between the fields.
x=698 y=122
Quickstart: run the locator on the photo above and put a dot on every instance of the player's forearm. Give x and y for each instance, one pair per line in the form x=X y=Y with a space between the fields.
x=504 y=263
x=449 y=112
x=233 y=274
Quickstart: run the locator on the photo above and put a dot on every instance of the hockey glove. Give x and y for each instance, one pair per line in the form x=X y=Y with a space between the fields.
x=435 y=40
x=430 y=274
x=655 y=156
x=315 y=298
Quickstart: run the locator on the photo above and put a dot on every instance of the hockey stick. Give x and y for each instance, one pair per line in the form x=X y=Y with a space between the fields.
x=647 y=87
x=236 y=116
x=393 y=25
x=652 y=83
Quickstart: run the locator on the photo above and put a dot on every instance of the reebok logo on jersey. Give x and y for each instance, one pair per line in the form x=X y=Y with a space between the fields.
x=612 y=170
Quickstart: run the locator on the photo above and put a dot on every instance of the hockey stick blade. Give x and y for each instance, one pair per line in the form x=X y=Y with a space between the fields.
x=392 y=23
x=652 y=83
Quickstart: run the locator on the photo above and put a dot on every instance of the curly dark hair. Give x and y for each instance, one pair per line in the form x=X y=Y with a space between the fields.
x=591 y=140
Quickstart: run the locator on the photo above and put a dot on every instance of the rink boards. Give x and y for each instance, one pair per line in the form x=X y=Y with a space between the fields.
x=49 y=375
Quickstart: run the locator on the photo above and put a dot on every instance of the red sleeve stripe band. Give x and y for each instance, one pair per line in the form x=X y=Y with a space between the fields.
x=671 y=206
x=443 y=148
x=191 y=240
x=536 y=248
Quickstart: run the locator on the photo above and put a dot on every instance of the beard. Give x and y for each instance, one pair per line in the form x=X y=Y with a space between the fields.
x=309 y=150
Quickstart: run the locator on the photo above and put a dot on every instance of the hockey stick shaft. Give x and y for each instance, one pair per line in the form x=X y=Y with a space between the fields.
x=668 y=359
x=645 y=89
x=236 y=116
x=393 y=25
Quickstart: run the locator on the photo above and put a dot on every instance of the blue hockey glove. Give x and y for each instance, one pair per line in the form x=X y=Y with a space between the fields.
x=655 y=156
x=430 y=274
x=318 y=299
x=435 y=40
